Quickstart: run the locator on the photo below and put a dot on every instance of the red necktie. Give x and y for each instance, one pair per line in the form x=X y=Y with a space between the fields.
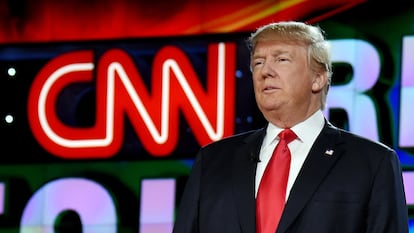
x=271 y=196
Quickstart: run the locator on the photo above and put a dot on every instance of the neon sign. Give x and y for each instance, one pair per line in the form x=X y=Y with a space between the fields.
x=352 y=97
x=120 y=90
x=407 y=94
x=176 y=88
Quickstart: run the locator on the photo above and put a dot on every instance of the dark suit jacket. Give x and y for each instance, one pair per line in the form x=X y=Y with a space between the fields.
x=356 y=189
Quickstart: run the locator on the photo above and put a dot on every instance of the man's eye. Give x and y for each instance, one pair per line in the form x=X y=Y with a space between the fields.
x=258 y=63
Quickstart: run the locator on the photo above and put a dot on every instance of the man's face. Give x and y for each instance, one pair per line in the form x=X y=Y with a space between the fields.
x=282 y=79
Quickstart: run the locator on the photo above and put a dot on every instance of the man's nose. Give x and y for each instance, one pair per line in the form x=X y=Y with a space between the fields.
x=268 y=70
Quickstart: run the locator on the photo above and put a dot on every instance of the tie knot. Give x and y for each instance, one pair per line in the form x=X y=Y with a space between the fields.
x=287 y=135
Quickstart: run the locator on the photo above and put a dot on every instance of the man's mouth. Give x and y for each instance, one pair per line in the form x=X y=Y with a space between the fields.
x=269 y=88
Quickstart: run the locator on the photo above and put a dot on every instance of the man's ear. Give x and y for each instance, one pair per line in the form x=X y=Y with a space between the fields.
x=319 y=82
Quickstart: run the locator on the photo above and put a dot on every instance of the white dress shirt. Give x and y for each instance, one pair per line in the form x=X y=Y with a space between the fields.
x=307 y=132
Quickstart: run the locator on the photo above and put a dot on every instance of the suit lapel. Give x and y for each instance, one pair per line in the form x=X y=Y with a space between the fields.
x=244 y=170
x=323 y=155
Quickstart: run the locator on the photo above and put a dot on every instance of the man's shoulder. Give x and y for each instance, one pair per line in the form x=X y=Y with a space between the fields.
x=239 y=138
x=360 y=141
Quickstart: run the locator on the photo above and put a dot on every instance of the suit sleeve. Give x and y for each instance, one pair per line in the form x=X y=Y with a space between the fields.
x=387 y=211
x=187 y=215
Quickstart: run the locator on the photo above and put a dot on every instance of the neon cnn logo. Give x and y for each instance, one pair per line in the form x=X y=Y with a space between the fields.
x=121 y=92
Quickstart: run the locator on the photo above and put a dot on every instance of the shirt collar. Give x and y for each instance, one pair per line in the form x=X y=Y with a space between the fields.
x=307 y=130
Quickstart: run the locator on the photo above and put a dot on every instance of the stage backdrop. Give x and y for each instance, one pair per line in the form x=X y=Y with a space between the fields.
x=104 y=104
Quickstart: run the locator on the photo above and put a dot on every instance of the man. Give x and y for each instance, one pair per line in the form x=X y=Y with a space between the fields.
x=337 y=181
